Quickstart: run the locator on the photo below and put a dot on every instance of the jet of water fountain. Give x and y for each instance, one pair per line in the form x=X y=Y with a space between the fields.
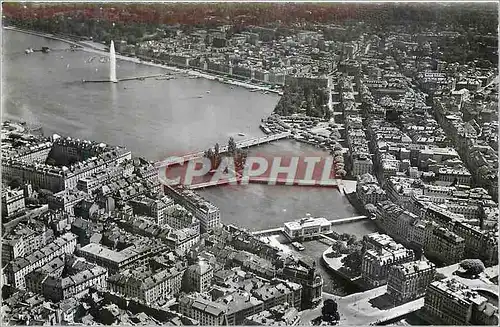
x=112 y=63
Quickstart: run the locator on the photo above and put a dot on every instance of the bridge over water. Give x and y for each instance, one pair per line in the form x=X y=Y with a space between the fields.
x=332 y=222
x=266 y=180
x=240 y=145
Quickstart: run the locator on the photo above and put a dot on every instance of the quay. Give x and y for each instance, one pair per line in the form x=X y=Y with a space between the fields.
x=245 y=144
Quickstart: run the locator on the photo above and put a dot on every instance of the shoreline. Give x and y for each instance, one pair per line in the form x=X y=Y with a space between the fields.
x=188 y=71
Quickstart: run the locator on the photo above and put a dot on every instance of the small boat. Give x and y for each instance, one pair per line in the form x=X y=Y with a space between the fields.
x=254 y=90
x=67 y=66
x=298 y=246
x=241 y=134
x=208 y=92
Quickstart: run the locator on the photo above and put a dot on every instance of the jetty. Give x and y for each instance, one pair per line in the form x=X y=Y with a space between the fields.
x=125 y=79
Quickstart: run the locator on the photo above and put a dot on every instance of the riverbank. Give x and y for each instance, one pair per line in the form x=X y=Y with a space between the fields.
x=88 y=47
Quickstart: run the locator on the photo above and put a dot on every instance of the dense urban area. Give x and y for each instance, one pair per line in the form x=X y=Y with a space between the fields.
x=403 y=97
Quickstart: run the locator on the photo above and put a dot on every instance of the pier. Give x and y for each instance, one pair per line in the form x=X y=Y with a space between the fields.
x=245 y=144
x=126 y=78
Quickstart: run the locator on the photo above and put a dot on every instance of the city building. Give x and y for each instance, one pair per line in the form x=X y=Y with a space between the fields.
x=206 y=212
x=156 y=208
x=115 y=261
x=12 y=201
x=59 y=178
x=25 y=239
x=479 y=243
x=381 y=252
x=449 y=302
x=307 y=228
x=281 y=315
x=149 y=285
x=361 y=164
x=310 y=280
x=198 y=277
x=409 y=281
x=66 y=277
x=17 y=269
x=445 y=246
x=66 y=200
x=178 y=217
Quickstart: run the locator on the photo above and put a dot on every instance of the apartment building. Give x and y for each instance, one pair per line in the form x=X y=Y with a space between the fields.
x=12 y=201
x=449 y=302
x=18 y=268
x=410 y=280
x=147 y=285
x=381 y=252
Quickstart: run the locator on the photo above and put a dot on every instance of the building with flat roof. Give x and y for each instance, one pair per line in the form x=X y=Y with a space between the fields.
x=307 y=228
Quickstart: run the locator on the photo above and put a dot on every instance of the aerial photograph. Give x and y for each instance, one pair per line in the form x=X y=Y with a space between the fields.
x=249 y=163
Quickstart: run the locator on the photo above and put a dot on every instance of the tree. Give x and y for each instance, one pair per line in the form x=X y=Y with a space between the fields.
x=472 y=267
x=43 y=195
x=352 y=240
x=15 y=182
x=345 y=236
x=31 y=201
x=353 y=261
x=329 y=311
x=216 y=148
x=341 y=173
x=231 y=146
